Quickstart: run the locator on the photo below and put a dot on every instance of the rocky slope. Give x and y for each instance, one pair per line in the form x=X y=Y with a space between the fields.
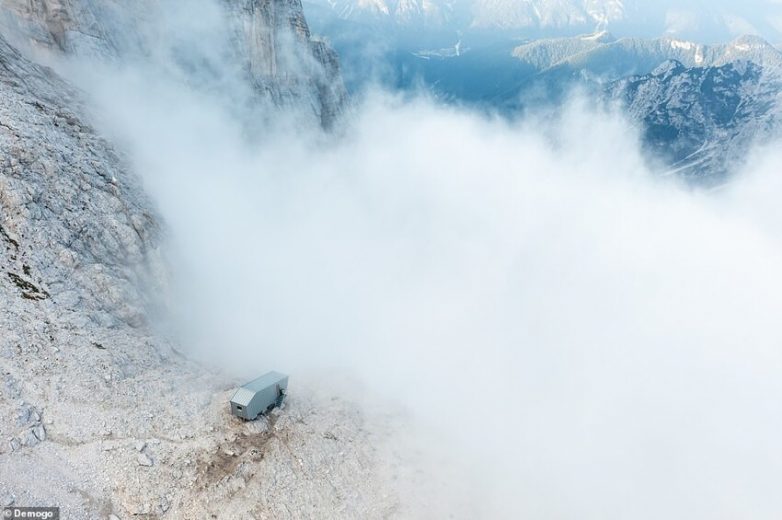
x=76 y=230
x=99 y=415
x=264 y=42
x=702 y=120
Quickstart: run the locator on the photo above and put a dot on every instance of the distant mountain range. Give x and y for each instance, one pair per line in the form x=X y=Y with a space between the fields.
x=510 y=75
x=700 y=107
x=692 y=19
x=695 y=102
x=481 y=13
x=601 y=53
x=548 y=68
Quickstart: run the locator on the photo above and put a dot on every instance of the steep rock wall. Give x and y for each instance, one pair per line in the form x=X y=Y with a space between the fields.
x=268 y=40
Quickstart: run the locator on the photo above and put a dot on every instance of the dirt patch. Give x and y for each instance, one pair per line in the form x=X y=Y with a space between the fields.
x=244 y=448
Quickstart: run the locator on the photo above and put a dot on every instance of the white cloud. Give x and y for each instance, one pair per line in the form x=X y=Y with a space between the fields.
x=582 y=340
x=572 y=336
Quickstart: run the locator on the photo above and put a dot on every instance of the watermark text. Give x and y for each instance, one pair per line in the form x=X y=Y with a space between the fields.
x=35 y=513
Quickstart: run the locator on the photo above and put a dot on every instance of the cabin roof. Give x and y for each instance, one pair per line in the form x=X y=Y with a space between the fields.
x=264 y=381
x=244 y=395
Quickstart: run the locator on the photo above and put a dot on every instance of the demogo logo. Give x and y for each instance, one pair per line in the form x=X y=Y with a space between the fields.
x=37 y=513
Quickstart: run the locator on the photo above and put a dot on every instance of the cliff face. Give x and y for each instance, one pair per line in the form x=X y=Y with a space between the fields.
x=267 y=42
x=70 y=26
x=274 y=45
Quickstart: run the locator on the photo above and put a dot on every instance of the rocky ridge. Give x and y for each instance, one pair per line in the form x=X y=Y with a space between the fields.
x=604 y=57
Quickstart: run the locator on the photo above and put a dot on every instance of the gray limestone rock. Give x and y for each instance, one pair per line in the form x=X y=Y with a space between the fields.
x=264 y=42
x=29 y=439
x=58 y=202
x=40 y=432
x=143 y=460
x=14 y=444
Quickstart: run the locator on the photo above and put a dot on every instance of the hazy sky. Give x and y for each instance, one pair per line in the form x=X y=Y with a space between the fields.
x=710 y=19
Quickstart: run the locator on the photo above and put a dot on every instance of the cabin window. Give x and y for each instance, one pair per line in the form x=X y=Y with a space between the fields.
x=238 y=407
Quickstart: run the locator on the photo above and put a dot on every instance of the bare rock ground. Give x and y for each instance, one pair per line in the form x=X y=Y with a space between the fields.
x=162 y=444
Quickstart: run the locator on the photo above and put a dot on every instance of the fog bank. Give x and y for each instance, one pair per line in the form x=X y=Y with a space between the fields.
x=573 y=336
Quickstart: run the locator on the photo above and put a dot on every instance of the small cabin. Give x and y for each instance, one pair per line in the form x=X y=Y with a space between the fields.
x=259 y=396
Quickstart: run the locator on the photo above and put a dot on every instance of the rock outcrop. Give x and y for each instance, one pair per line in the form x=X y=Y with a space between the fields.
x=264 y=42
x=285 y=63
